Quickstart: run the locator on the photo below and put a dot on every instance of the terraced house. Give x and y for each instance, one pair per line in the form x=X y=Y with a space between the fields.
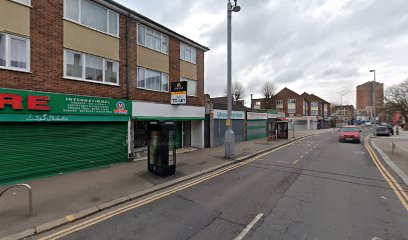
x=79 y=79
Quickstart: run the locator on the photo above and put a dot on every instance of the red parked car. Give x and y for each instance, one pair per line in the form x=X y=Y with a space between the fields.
x=349 y=134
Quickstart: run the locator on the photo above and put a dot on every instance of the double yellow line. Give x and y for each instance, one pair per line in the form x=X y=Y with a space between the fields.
x=155 y=197
x=395 y=186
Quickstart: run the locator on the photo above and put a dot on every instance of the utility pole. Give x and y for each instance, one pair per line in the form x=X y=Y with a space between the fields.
x=229 y=134
x=374 y=104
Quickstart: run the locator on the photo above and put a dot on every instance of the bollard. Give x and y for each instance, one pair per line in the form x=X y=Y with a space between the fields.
x=393 y=147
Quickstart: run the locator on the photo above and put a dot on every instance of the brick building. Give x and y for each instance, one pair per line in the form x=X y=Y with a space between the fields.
x=343 y=113
x=306 y=109
x=365 y=101
x=99 y=52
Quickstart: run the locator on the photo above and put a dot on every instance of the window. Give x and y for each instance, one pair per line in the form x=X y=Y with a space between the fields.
x=81 y=66
x=14 y=52
x=92 y=15
x=291 y=105
x=149 y=38
x=305 y=107
x=279 y=102
x=25 y=2
x=314 y=104
x=314 y=112
x=188 y=53
x=191 y=86
x=152 y=80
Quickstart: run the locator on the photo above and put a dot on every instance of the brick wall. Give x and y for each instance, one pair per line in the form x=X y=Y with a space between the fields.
x=47 y=61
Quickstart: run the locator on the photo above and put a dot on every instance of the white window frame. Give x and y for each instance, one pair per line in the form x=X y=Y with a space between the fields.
x=161 y=80
x=8 y=50
x=162 y=36
x=291 y=105
x=83 y=56
x=107 y=18
x=183 y=79
x=185 y=47
x=25 y=4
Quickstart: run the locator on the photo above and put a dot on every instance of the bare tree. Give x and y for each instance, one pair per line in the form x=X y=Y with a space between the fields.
x=237 y=91
x=268 y=90
x=397 y=99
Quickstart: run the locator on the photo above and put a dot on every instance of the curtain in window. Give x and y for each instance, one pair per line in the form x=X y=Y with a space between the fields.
x=141 y=78
x=193 y=55
x=141 y=34
x=94 y=68
x=111 y=73
x=165 y=44
x=149 y=38
x=165 y=82
x=72 y=9
x=2 y=50
x=192 y=88
x=113 y=23
x=94 y=16
x=18 y=53
x=157 y=41
x=73 y=65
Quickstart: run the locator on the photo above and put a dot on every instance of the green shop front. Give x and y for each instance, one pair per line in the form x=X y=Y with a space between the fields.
x=45 y=134
x=256 y=126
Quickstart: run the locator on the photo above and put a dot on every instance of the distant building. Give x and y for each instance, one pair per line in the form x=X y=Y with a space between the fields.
x=343 y=112
x=365 y=101
x=307 y=110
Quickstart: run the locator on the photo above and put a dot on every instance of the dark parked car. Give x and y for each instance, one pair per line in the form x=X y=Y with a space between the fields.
x=382 y=131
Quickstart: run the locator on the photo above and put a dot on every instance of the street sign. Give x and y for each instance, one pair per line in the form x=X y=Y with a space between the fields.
x=178 y=93
x=228 y=122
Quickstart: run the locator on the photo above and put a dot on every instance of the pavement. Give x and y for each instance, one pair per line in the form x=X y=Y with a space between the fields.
x=396 y=159
x=65 y=198
x=316 y=188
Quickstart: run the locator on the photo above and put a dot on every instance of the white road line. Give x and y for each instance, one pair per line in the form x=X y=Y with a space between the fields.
x=295 y=161
x=248 y=228
x=302 y=156
x=283 y=162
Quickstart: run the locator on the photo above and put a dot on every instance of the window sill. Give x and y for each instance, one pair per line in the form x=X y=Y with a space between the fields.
x=91 y=81
x=140 y=45
x=15 y=70
x=93 y=29
x=139 y=88
x=188 y=62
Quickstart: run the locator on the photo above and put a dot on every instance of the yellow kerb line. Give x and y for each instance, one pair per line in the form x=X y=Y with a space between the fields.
x=402 y=196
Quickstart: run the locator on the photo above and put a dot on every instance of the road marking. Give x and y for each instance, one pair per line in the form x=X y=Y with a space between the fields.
x=295 y=162
x=157 y=196
x=283 y=162
x=402 y=196
x=302 y=156
x=248 y=228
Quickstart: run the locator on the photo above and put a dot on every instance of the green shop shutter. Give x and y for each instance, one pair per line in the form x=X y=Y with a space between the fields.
x=34 y=150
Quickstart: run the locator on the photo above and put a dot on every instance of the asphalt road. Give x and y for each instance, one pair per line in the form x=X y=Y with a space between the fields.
x=317 y=188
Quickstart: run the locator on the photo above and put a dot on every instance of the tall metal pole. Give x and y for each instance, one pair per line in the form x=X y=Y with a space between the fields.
x=229 y=134
x=374 y=104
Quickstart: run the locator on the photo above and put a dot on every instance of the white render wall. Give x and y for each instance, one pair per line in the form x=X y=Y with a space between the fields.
x=197 y=134
x=149 y=109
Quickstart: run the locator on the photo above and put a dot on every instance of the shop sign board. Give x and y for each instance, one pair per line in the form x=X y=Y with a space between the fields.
x=42 y=106
x=257 y=116
x=281 y=114
x=272 y=113
x=223 y=114
x=178 y=93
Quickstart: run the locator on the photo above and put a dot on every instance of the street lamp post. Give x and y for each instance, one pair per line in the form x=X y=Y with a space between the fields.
x=229 y=134
x=374 y=104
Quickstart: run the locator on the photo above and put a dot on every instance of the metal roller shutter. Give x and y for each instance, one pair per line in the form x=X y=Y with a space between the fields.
x=33 y=150
x=256 y=129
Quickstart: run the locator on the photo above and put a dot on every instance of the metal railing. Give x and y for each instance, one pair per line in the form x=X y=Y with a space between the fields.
x=30 y=195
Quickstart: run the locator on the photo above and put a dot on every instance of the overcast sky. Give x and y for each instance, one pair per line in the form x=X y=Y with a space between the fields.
x=325 y=47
